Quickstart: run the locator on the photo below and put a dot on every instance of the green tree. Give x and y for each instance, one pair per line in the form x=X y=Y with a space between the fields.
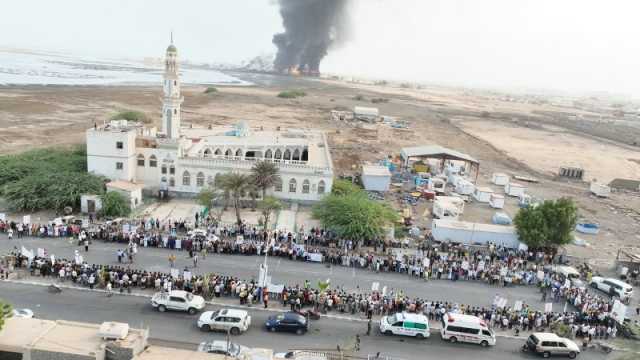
x=49 y=178
x=115 y=204
x=344 y=187
x=205 y=197
x=264 y=175
x=268 y=206
x=531 y=227
x=5 y=312
x=354 y=216
x=237 y=186
x=561 y=217
x=548 y=225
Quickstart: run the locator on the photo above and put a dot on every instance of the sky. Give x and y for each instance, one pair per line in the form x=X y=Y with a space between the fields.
x=571 y=45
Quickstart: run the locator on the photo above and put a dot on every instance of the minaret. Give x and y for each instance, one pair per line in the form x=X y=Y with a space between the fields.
x=172 y=100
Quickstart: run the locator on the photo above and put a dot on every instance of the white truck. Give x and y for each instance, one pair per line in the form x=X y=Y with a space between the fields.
x=177 y=300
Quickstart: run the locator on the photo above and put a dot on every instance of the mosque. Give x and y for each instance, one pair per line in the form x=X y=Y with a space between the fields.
x=183 y=160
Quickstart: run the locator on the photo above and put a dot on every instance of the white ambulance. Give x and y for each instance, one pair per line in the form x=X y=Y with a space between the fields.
x=466 y=328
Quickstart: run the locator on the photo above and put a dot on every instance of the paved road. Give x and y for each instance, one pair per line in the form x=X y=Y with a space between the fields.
x=290 y=272
x=178 y=328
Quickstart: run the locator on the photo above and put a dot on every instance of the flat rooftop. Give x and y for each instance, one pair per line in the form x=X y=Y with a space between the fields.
x=69 y=337
x=259 y=140
x=164 y=353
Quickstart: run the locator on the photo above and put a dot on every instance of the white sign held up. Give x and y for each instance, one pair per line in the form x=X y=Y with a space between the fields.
x=375 y=286
x=548 y=307
x=517 y=306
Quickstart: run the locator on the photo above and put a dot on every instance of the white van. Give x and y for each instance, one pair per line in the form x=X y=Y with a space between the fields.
x=466 y=328
x=570 y=273
x=406 y=324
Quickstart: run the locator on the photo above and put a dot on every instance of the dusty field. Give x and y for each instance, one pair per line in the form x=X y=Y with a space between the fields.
x=38 y=116
x=540 y=149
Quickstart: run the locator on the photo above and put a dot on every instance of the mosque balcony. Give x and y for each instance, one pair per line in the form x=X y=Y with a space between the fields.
x=238 y=163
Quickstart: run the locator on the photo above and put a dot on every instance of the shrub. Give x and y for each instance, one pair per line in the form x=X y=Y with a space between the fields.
x=379 y=100
x=291 y=94
x=114 y=205
x=358 y=97
x=211 y=90
x=131 y=115
x=47 y=179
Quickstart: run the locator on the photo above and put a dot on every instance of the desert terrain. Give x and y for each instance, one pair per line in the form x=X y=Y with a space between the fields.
x=531 y=139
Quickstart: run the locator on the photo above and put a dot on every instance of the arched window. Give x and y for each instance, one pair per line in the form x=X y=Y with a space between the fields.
x=209 y=180
x=296 y=155
x=305 y=155
x=164 y=179
x=164 y=168
x=287 y=154
x=175 y=111
x=200 y=179
x=305 y=186
x=140 y=160
x=172 y=170
x=292 y=185
x=218 y=152
x=238 y=153
x=268 y=154
x=277 y=186
x=321 y=187
x=186 y=178
x=172 y=182
x=228 y=153
x=207 y=152
x=153 y=161
x=278 y=155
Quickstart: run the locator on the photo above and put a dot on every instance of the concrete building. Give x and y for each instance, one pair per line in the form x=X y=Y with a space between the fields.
x=131 y=191
x=376 y=178
x=475 y=234
x=185 y=159
x=37 y=339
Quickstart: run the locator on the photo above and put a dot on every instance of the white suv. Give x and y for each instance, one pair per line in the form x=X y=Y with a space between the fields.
x=613 y=287
x=178 y=300
x=227 y=320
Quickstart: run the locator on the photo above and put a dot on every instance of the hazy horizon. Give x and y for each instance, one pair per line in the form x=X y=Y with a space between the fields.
x=573 y=46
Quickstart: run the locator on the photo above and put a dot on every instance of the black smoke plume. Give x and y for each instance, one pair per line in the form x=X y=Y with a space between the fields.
x=311 y=28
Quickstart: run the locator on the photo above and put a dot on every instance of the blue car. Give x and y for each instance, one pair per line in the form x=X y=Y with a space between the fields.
x=287 y=322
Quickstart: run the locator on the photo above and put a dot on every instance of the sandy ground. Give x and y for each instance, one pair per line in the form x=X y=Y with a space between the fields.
x=547 y=149
x=514 y=138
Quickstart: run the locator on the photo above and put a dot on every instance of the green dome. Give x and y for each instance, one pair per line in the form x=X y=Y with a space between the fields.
x=172 y=48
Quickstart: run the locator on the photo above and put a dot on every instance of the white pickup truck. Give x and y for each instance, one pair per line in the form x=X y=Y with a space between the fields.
x=178 y=300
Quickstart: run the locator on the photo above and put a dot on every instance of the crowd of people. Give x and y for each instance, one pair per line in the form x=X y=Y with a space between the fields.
x=590 y=314
x=493 y=264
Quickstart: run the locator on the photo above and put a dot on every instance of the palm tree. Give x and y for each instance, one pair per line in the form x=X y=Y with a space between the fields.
x=267 y=206
x=5 y=312
x=237 y=186
x=264 y=175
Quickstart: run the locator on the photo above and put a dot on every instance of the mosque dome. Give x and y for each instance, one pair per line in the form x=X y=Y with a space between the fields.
x=172 y=48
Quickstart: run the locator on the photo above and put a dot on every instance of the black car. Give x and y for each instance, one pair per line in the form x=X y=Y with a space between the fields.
x=288 y=322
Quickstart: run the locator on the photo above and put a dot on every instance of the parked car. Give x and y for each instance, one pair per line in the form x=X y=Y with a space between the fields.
x=613 y=287
x=22 y=313
x=231 y=320
x=288 y=322
x=548 y=344
x=178 y=300
x=223 y=348
x=406 y=324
